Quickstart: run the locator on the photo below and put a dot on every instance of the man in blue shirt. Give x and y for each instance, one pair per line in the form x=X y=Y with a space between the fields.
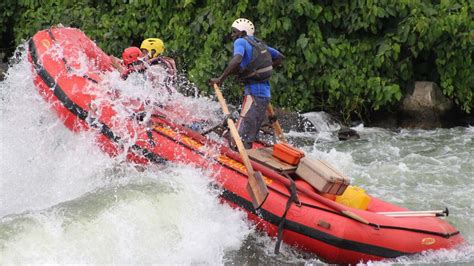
x=253 y=62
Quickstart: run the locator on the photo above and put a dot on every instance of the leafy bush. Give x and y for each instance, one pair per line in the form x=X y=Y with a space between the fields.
x=346 y=57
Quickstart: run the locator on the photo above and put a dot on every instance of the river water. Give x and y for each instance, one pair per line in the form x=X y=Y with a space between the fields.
x=64 y=201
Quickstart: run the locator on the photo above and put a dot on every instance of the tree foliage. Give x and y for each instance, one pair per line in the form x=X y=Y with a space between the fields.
x=350 y=57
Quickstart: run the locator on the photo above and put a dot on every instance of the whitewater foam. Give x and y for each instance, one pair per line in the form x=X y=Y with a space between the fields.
x=64 y=201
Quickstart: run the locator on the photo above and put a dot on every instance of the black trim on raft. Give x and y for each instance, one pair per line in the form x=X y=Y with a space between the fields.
x=313 y=233
x=230 y=196
x=78 y=111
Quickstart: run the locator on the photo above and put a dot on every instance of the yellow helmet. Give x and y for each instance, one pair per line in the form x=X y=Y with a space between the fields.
x=154 y=46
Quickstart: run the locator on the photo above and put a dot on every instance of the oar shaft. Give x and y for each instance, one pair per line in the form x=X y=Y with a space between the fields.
x=241 y=148
x=415 y=215
x=276 y=124
x=413 y=212
x=221 y=100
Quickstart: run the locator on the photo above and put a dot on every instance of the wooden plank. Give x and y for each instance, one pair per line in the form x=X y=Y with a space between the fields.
x=264 y=156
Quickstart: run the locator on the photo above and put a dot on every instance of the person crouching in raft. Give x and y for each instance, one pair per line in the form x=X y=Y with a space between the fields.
x=133 y=60
x=153 y=48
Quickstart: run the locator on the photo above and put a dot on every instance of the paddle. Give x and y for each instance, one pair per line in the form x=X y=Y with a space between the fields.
x=276 y=125
x=256 y=186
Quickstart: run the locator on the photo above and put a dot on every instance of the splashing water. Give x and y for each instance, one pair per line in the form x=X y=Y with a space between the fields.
x=64 y=201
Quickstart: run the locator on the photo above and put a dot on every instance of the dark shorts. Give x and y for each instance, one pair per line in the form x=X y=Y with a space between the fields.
x=251 y=118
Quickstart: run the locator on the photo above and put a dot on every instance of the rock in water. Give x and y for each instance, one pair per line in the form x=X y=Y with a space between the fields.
x=425 y=107
x=347 y=134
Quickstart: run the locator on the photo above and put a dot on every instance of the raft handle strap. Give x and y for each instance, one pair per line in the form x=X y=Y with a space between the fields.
x=293 y=198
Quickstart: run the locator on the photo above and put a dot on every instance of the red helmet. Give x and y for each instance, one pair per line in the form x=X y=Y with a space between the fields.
x=131 y=55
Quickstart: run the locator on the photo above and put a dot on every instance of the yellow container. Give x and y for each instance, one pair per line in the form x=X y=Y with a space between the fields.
x=354 y=197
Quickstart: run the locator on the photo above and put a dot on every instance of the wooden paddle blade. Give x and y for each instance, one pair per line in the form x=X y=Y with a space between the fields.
x=257 y=190
x=256 y=187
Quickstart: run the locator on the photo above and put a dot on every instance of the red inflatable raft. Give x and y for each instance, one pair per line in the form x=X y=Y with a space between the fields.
x=315 y=224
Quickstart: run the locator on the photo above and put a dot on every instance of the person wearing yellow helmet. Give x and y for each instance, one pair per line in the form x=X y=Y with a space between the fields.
x=153 y=48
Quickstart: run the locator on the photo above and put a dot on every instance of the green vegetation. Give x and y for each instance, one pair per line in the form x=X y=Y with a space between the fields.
x=345 y=57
